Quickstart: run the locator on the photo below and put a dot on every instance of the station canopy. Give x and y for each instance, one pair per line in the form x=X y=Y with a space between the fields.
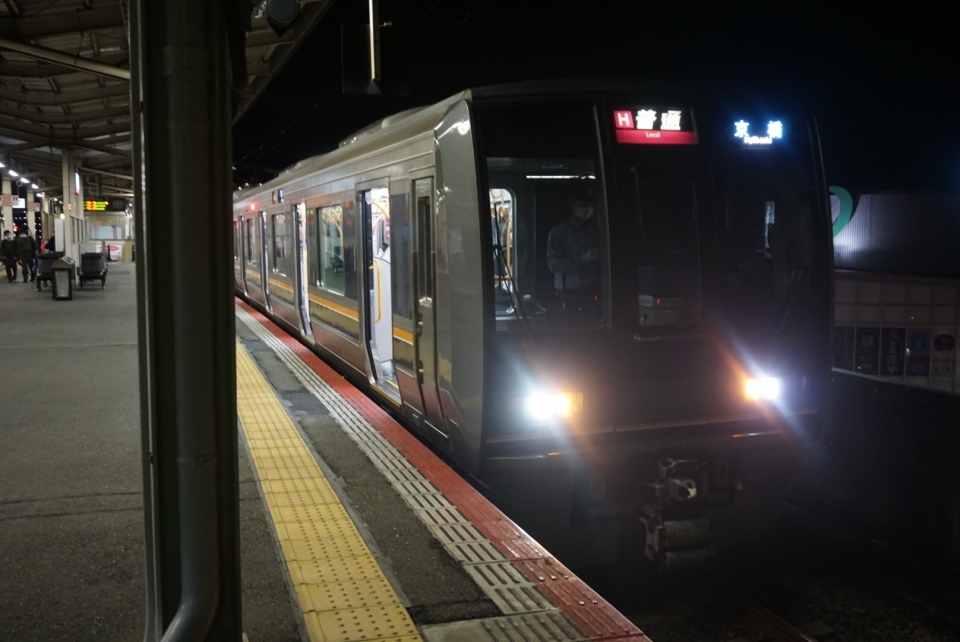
x=64 y=83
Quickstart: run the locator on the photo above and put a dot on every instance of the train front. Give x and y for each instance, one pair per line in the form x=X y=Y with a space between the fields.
x=660 y=310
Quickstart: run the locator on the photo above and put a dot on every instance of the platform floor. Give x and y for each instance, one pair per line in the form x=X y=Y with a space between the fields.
x=460 y=568
x=351 y=529
x=71 y=523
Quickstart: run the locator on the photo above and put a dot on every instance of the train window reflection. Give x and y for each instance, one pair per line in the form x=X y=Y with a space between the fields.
x=331 y=248
x=281 y=245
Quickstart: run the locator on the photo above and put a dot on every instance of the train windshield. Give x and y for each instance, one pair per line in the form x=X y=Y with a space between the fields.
x=768 y=244
x=724 y=231
x=548 y=219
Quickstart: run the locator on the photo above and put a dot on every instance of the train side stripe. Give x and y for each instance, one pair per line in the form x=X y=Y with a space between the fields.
x=365 y=422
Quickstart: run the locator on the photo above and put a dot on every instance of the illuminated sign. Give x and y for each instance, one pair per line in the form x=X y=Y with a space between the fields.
x=742 y=131
x=654 y=126
x=111 y=205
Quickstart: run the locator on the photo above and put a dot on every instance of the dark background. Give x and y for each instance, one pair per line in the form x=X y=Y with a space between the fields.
x=881 y=80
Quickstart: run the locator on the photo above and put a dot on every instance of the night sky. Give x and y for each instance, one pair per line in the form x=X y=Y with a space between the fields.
x=882 y=82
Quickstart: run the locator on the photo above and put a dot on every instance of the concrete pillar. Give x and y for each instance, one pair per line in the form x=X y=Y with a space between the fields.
x=32 y=218
x=7 y=209
x=73 y=224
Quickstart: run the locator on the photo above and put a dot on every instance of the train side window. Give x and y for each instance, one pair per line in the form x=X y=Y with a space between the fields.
x=425 y=255
x=313 y=247
x=236 y=239
x=504 y=248
x=281 y=245
x=331 y=249
x=253 y=242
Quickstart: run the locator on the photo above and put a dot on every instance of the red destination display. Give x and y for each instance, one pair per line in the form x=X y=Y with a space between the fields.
x=654 y=126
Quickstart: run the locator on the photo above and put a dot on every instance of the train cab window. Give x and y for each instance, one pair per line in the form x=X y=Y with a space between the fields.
x=253 y=241
x=282 y=246
x=331 y=248
x=548 y=216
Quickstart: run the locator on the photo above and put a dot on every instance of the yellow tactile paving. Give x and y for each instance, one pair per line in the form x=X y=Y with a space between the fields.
x=343 y=593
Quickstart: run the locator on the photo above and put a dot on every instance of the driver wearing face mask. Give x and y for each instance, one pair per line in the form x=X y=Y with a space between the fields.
x=573 y=250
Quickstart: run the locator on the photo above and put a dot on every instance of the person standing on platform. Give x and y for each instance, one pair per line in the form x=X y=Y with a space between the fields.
x=28 y=251
x=10 y=251
x=51 y=245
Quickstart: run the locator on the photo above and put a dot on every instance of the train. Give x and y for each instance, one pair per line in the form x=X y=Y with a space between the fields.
x=609 y=303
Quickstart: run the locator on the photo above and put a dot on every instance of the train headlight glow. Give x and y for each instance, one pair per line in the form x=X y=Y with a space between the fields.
x=543 y=407
x=767 y=388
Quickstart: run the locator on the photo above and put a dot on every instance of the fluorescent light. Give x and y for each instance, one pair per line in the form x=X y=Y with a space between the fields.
x=558 y=176
x=13 y=173
x=33 y=186
x=24 y=180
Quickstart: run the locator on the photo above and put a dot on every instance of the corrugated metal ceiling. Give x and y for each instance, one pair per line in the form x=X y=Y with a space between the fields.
x=46 y=107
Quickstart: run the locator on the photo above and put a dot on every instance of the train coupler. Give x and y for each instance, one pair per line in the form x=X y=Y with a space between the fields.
x=675 y=532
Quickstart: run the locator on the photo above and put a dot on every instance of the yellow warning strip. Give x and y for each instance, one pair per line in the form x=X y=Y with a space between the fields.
x=342 y=591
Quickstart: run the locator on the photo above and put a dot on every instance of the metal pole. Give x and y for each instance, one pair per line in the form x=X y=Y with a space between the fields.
x=184 y=237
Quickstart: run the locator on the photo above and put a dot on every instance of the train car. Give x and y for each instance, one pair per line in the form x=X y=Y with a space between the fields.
x=610 y=304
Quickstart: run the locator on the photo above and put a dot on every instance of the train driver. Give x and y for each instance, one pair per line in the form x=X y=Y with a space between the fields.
x=573 y=252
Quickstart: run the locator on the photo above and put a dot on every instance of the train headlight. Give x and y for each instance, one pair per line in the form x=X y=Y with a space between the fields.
x=767 y=389
x=543 y=407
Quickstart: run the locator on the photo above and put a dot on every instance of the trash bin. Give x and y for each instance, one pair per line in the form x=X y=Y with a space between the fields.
x=63 y=270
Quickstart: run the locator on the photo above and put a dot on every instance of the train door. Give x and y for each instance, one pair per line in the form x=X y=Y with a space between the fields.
x=378 y=320
x=300 y=277
x=238 y=259
x=425 y=335
x=264 y=241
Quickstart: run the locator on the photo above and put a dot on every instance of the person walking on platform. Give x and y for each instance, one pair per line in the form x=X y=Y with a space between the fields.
x=28 y=251
x=10 y=251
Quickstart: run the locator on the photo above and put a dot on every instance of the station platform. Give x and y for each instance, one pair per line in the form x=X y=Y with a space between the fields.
x=351 y=529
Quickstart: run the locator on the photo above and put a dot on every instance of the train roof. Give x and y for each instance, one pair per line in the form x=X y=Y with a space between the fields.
x=422 y=119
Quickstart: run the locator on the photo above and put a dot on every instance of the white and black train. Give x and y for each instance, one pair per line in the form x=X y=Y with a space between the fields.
x=610 y=304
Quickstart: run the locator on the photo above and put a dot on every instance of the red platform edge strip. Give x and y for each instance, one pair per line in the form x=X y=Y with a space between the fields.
x=594 y=615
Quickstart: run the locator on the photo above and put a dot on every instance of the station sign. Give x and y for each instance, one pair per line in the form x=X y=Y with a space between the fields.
x=655 y=126
x=108 y=205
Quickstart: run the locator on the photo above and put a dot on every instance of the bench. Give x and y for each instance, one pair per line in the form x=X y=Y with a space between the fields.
x=93 y=267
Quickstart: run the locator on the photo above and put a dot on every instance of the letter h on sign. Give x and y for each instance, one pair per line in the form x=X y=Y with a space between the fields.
x=624 y=119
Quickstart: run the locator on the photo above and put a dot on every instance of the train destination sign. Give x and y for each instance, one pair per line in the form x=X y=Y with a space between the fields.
x=108 y=205
x=655 y=126
x=772 y=131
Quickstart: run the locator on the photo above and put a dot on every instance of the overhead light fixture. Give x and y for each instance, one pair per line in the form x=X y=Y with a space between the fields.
x=13 y=173
x=40 y=194
x=2 y=165
x=33 y=186
x=24 y=180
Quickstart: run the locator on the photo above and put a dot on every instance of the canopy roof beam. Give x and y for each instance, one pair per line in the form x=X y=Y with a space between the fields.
x=77 y=63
